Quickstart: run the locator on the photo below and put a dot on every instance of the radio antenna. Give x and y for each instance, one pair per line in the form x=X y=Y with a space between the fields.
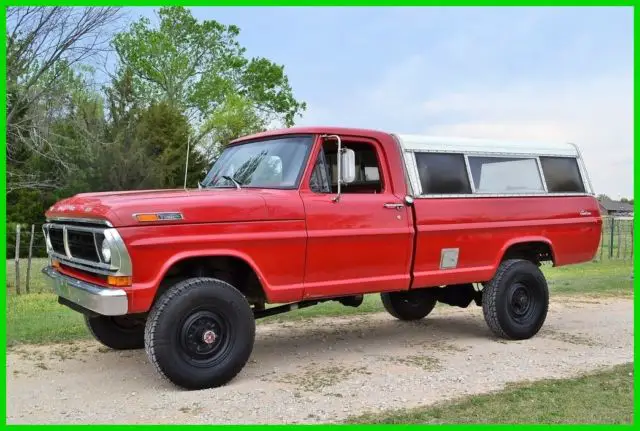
x=186 y=163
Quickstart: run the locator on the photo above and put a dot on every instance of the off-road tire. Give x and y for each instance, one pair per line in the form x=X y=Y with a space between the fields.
x=501 y=304
x=177 y=353
x=409 y=305
x=118 y=332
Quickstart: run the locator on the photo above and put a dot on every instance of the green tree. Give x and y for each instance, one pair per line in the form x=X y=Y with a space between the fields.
x=58 y=148
x=146 y=147
x=44 y=46
x=163 y=132
x=200 y=69
x=124 y=163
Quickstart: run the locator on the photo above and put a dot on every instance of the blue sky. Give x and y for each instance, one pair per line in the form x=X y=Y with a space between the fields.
x=555 y=74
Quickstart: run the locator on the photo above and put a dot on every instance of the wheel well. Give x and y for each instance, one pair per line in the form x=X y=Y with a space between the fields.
x=535 y=252
x=230 y=269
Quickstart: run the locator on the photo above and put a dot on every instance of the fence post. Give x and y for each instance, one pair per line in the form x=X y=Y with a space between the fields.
x=619 y=243
x=624 y=236
x=17 y=259
x=33 y=227
x=613 y=225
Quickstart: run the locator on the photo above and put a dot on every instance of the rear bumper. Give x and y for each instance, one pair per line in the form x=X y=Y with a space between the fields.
x=101 y=300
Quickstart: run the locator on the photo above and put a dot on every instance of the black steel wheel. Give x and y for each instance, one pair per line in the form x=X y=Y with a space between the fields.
x=515 y=302
x=117 y=332
x=205 y=337
x=200 y=333
x=412 y=304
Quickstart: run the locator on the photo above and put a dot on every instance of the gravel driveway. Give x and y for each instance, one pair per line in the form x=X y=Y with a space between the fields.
x=320 y=370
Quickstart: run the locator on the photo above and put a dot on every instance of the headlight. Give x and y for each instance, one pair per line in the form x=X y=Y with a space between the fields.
x=106 y=251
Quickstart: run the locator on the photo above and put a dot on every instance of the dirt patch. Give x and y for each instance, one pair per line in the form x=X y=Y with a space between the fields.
x=319 y=378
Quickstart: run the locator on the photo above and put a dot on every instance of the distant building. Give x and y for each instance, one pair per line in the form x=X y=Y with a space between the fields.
x=615 y=208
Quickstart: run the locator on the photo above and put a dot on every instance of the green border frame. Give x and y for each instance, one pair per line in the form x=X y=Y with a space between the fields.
x=190 y=3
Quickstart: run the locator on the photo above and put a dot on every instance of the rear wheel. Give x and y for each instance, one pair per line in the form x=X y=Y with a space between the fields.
x=515 y=302
x=411 y=304
x=200 y=333
x=118 y=332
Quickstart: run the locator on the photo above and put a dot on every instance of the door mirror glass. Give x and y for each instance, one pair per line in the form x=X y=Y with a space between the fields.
x=348 y=166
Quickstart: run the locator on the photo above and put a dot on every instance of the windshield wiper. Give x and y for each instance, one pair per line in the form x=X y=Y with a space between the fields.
x=226 y=177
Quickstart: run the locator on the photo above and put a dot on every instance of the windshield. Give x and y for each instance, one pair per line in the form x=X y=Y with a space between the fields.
x=273 y=163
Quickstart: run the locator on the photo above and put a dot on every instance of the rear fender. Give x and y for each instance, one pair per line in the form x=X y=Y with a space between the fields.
x=518 y=241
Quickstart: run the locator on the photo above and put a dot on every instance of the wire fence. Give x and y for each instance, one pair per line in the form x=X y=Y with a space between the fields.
x=616 y=241
x=24 y=267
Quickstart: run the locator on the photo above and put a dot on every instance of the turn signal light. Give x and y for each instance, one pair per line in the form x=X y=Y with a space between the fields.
x=118 y=281
x=55 y=264
x=147 y=217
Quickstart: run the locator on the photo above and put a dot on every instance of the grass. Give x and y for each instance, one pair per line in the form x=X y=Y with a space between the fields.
x=604 y=278
x=38 y=318
x=602 y=397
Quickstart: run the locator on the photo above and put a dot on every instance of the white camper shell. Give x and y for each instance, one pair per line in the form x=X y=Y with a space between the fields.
x=447 y=167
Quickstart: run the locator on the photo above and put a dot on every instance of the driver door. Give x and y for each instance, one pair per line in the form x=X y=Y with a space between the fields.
x=362 y=242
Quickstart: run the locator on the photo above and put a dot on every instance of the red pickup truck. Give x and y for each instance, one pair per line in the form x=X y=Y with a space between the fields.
x=305 y=215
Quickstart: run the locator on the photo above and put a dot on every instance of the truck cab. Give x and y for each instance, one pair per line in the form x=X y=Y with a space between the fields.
x=290 y=218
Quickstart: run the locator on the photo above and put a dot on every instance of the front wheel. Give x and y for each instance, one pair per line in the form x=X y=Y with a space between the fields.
x=200 y=333
x=410 y=304
x=515 y=302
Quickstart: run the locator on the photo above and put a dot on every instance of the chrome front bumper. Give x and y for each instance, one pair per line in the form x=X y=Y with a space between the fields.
x=102 y=300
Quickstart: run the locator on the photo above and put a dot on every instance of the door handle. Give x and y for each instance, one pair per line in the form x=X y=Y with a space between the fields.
x=393 y=206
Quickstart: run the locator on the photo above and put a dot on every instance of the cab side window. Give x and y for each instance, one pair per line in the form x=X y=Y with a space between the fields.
x=368 y=171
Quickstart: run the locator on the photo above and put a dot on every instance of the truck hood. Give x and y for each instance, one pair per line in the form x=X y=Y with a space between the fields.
x=195 y=206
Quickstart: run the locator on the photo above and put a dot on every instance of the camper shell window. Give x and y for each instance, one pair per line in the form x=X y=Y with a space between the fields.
x=562 y=174
x=443 y=173
x=505 y=175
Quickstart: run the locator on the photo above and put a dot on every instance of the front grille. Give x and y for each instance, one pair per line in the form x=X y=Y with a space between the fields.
x=83 y=243
x=79 y=246
x=82 y=246
x=57 y=240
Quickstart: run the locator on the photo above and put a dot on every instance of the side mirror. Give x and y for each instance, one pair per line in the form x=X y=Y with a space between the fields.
x=348 y=166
